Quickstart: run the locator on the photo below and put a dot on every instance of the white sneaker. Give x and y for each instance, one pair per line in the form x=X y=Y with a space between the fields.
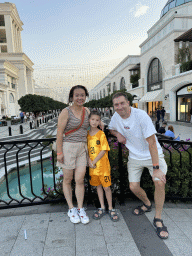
x=83 y=216
x=73 y=215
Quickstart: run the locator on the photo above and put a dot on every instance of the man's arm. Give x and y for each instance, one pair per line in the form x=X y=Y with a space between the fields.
x=120 y=137
x=155 y=158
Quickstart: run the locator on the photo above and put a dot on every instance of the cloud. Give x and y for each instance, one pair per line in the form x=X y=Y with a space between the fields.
x=141 y=10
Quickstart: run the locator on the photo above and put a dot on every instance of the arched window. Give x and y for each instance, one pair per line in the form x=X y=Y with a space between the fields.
x=11 y=98
x=103 y=93
x=100 y=94
x=114 y=87
x=154 y=74
x=122 y=83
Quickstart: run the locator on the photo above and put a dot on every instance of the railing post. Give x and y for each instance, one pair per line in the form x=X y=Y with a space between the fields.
x=10 y=133
x=40 y=120
x=37 y=123
x=121 y=170
x=30 y=124
x=21 y=129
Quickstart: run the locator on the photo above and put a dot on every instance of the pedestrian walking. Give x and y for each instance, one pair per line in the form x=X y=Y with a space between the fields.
x=21 y=116
x=134 y=128
x=100 y=170
x=158 y=114
x=191 y=115
x=163 y=113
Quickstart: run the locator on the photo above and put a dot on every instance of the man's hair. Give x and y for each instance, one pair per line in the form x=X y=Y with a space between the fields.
x=119 y=94
x=95 y=112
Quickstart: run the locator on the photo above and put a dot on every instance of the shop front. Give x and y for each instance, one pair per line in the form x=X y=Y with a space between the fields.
x=184 y=103
x=154 y=100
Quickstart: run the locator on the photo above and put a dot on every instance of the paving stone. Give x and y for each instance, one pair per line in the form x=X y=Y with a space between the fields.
x=123 y=249
x=179 y=247
x=177 y=215
x=59 y=251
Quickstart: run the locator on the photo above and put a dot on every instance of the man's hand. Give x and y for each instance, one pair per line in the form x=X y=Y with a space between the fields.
x=121 y=138
x=159 y=174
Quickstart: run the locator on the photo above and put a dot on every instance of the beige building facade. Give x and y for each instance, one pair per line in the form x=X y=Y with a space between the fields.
x=164 y=80
x=16 y=69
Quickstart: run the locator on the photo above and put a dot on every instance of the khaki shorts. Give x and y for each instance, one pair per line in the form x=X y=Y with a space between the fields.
x=135 y=168
x=96 y=180
x=75 y=155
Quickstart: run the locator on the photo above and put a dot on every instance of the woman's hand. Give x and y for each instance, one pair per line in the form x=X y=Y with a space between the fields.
x=60 y=158
x=91 y=165
x=102 y=126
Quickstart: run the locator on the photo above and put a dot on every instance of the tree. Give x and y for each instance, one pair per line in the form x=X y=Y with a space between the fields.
x=107 y=101
x=36 y=103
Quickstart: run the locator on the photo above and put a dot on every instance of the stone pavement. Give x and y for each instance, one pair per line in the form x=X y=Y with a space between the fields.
x=50 y=232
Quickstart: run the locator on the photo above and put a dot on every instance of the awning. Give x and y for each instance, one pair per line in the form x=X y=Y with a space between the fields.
x=153 y=96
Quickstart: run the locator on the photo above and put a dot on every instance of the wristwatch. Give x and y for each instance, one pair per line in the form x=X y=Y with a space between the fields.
x=156 y=167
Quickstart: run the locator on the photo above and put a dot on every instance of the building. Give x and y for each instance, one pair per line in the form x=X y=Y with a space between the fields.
x=47 y=91
x=165 y=71
x=16 y=69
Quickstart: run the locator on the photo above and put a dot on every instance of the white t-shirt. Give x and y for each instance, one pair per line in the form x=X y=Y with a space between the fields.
x=135 y=129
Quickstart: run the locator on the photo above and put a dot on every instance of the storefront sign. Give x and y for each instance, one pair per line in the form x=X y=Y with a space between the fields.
x=154 y=87
x=189 y=88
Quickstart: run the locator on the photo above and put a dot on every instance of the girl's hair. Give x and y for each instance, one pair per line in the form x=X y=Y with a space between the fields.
x=70 y=99
x=170 y=127
x=95 y=112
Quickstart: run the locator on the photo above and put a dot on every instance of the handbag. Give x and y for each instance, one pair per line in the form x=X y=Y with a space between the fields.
x=54 y=145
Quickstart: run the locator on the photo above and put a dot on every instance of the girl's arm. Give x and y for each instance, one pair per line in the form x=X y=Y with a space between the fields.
x=98 y=157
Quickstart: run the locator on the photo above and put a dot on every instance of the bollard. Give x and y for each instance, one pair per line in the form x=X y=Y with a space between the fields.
x=40 y=120
x=30 y=124
x=21 y=129
x=10 y=133
x=37 y=123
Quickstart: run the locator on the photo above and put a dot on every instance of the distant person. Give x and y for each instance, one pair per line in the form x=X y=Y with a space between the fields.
x=163 y=113
x=100 y=170
x=191 y=115
x=158 y=114
x=170 y=133
x=162 y=128
x=22 y=116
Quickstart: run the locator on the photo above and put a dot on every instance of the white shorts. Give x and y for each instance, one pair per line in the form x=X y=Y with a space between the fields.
x=135 y=168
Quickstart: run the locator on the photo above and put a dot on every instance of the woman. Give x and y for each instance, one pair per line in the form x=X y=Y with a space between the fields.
x=170 y=133
x=72 y=151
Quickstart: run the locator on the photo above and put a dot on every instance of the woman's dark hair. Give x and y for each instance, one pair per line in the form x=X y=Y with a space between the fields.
x=70 y=99
x=95 y=112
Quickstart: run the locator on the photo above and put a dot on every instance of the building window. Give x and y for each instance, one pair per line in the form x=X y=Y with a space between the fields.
x=100 y=94
x=3 y=36
x=122 y=83
x=179 y=2
x=154 y=74
x=11 y=98
x=2 y=21
x=114 y=87
x=4 y=48
x=97 y=95
x=103 y=93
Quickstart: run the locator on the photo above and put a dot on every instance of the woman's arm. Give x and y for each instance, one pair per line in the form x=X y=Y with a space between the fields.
x=62 y=122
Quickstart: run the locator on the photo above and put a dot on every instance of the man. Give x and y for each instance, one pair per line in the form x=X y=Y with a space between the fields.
x=162 y=128
x=158 y=113
x=134 y=128
x=163 y=113
x=22 y=116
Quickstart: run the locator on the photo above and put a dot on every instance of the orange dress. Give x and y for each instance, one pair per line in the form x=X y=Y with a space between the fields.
x=96 y=144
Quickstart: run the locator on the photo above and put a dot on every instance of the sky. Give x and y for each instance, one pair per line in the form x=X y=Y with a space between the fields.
x=81 y=41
